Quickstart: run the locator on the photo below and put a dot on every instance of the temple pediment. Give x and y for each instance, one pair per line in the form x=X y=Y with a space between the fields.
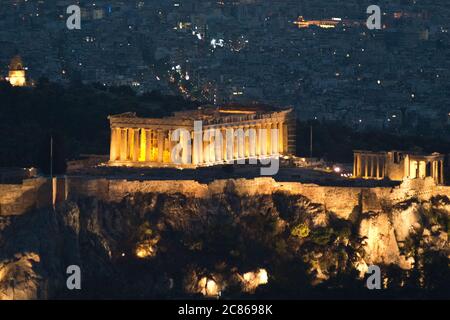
x=123 y=115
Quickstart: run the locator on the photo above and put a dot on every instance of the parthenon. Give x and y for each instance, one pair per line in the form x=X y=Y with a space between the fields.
x=207 y=136
x=398 y=165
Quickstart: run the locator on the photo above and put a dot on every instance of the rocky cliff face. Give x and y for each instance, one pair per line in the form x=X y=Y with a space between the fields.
x=153 y=245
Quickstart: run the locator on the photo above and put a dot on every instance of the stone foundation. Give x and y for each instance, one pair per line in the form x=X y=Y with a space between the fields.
x=16 y=199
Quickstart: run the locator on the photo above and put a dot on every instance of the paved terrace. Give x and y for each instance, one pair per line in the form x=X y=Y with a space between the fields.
x=209 y=174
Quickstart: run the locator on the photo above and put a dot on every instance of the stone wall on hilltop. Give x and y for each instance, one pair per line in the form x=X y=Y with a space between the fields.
x=343 y=201
x=16 y=199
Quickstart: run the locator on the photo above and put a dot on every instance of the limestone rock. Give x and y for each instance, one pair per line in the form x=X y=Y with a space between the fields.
x=380 y=245
x=406 y=220
x=19 y=279
x=245 y=231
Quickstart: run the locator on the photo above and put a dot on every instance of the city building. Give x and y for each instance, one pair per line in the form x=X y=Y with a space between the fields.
x=398 y=165
x=324 y=23
x=203 y=137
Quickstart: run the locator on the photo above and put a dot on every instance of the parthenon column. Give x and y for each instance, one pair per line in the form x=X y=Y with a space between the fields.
x=201 y=154
x=372 y=166
x=366 y=166
x=378 y=167
x=247 y=141
x=123 y=144
x=355 y=164
x=160 y=145
x=422 y=169
x=167 y=147
x=269 y=139
x=212 y=146
x=115 y=144
x=143 y=145
x=235 y=143
x=252 y=141
x=230 y=144
x=407 y=167
x=436 y=171
x=258 y=139
x=280 y=137
x=286 y=137
x=185 y=140
x=433 y=170
x=263 y=140
x=441 y=181
x=275 y=139
x=218 y=144
x=205 y=143
x=197 y=147
x=223 y=131
x=148 y=145
x=360 y=167
x=172 y=145
x=241 y=142
x=130 y=144
x=136 y=144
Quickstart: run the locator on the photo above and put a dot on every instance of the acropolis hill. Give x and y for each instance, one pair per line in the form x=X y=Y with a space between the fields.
x=202 y=228
x=108 y=214
x=17 y=199
x=140 y=161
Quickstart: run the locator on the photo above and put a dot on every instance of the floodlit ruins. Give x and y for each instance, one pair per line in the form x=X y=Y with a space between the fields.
x=203 y=137
x=398 y=165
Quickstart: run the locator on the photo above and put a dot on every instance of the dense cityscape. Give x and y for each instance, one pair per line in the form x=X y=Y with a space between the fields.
x=250 y=50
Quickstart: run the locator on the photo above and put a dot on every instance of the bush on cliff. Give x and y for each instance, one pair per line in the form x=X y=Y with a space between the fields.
x=300 y=231
x=322 y=236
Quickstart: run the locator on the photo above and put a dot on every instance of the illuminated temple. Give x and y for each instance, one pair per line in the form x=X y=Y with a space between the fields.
x=398 y=165
x=207 y=136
